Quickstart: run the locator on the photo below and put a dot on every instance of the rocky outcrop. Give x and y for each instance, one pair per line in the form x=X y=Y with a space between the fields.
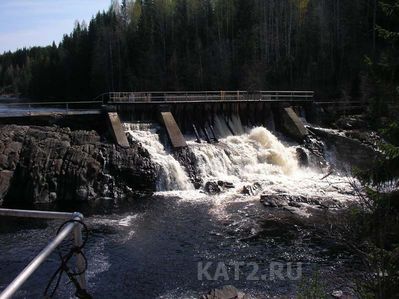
x=48 y=164
x=226 y=292
x=253 y=189
x=316 y=156
x=346 y=150
x=217 y=187
x=286 y=200
x=302 y=157
x=188 y=160
x=350 y=122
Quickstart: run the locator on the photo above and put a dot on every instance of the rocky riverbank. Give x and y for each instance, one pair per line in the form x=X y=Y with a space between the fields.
x=52 y=164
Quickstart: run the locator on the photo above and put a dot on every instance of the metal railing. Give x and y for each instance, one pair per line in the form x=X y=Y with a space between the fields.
x=205 y=96
x=74 y=228
x=30 y=108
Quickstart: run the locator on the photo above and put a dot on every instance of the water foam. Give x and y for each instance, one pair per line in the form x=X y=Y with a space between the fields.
x=259 y=157
x=245 y=157
x=171 y=175
x=256 y=156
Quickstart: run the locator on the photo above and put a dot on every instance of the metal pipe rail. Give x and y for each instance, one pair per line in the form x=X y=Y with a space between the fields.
x=71 y=228
x=53 y=107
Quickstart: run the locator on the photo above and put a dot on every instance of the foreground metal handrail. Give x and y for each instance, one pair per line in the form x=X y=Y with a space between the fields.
x=72 y=227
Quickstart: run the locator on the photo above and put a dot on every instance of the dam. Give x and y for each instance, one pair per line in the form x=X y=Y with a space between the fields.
x=180 y=112
x=226 y=182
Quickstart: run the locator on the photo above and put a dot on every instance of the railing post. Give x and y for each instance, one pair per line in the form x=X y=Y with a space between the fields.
x=67 y=108
x=80 y=262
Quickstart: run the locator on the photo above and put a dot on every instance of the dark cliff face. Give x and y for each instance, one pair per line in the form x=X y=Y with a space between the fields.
x=347 y=150
x=51 y=164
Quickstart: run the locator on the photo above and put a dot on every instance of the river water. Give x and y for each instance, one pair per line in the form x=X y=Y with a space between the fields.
x=157 y=246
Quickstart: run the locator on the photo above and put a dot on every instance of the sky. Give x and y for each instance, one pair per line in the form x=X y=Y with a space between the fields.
x=27 y=23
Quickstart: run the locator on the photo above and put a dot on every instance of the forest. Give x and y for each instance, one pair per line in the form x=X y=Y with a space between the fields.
x=150 y=45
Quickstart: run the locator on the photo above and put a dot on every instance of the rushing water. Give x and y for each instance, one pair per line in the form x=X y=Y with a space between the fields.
x=171 y=175
x=152 y=249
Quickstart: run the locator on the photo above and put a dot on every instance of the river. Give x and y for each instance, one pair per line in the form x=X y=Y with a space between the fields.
x=157 y=247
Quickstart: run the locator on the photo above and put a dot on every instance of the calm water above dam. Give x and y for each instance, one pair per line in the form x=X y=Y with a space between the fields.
x=152 y=247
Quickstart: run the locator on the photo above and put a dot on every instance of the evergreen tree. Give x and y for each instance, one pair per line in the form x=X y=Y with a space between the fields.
x=207 y=44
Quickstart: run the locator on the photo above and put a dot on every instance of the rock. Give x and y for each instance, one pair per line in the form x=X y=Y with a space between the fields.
x=348 y=152
x=82 y=194
x=226 y=292
x=315 y=147
x=294 y=204
x=212 y=188
x=84 y=137
x=302 y=157
x=368 y=138
x=217 y=187
x=57 y=164
x=352 y=122
x=5 y=179
x=337 y=294
x=251 y=189
x=197 y=182
x=274 y=200
x=52 y=196
x=227 y=185
x=187 y=158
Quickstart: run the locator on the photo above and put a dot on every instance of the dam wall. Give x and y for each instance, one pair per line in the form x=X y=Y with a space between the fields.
x=257 y=113
x=208 y=120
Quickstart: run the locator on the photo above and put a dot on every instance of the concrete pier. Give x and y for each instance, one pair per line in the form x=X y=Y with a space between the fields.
x=292 y=125
x=174 y=133
x=116 y=129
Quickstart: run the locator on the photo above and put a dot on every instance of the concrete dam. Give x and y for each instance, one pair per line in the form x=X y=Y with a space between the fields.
x=202 y=175
x=203 y=114
x=207 y=114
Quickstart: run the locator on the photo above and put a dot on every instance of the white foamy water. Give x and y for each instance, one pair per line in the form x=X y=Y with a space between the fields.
x=259 y=157
x=255 y=156
x=171 y=175
x=245 y=157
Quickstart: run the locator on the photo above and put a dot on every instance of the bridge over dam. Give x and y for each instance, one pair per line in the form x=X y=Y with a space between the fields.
x=197 y=113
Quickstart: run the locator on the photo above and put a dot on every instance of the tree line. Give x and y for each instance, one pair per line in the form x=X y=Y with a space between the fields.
x=156 y=45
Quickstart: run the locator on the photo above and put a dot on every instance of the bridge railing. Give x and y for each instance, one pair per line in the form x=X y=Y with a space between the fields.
x=211 y=96
x=30 y=108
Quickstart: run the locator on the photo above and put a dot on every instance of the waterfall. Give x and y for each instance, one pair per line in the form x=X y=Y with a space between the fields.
x=259 y=157
x=247 y=157
x=171 y=175
x=256 y=156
